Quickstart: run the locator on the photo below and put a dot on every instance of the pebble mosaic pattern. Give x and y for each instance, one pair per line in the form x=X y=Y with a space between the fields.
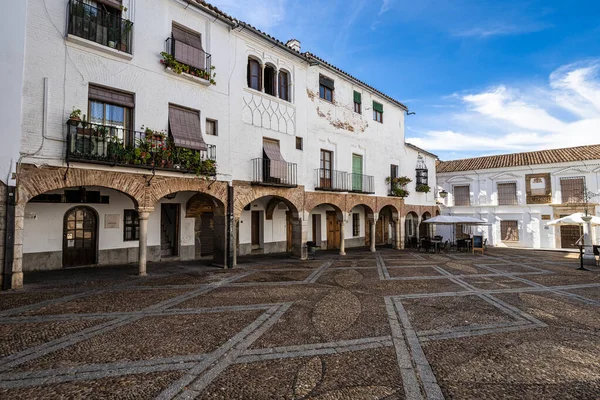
x=385 y=325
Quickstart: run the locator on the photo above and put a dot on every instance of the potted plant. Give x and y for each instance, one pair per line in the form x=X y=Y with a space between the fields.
x=400 y=192
x=423 y=188
x=398 y=185
x=74 y=117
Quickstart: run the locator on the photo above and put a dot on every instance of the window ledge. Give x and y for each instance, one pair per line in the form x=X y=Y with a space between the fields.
x=188 y=77
x=99 y=47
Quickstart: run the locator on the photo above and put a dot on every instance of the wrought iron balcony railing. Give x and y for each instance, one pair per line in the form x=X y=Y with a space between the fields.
x=102 y=144
x=332 y=180
x=194 y=61
x=274 y=173
x=100 y=26
x=361 y=183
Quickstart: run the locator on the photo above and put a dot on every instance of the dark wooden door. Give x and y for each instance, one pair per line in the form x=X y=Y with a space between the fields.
x=207 y=234
x=316 y=229
x=326 y=169
x=569 y=234
x=333 y=230
x=255 y=228
x=382 y=230
x=288 y=231
x=80 y=239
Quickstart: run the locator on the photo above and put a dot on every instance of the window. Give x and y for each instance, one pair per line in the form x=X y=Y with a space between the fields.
x=254 y=74
x=284 y=84
x=462 y=195
x=299 y=144
x=185 y=128
x=509 y=231
x=355 y=224
x=507 y=194
x=187 y=47
x=131 y=225
x=270 y=76
x=393 y=175
x=113 y=108
x=211 y=127
x=326 y=88
x=357 y=102
x=325 y=172
x=377 y=112
x=572 y=189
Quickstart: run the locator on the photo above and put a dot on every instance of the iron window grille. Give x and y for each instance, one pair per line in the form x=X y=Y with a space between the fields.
x=131 y=225
x=462 y=195
x=572 y=190
x=507 y=194
x=509 y=231
x=355 y=224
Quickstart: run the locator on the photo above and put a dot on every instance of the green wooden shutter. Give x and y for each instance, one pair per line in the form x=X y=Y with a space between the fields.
x=378 y=107
x=357 y=169
x=357 y=97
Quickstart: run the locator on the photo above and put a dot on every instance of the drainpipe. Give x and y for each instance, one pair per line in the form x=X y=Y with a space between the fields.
x=9 y=238
x=230 y=227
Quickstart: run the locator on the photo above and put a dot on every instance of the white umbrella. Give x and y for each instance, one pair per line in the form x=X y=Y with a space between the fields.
x=453 y=219
x=574 y=219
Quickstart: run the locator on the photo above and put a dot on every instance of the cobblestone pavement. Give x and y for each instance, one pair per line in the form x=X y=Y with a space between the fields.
x=385 y=325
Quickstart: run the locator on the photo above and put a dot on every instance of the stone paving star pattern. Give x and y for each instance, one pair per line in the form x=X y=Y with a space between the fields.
x=385 y=325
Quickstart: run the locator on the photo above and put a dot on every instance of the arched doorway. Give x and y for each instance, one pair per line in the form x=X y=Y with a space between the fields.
x=424 y=229
x=80 y=237
x=410 y=229
x=325 y=226
x=385 y=232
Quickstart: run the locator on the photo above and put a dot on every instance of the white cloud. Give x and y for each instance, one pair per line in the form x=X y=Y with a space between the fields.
x=264 y=15
x=501 y=30
x=386 y=5
x=505 y=119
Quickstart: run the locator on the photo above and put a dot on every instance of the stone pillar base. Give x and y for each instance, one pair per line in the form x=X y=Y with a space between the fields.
x=17 y=280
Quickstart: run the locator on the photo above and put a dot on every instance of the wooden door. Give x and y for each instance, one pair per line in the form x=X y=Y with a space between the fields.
x=357 y=170
x=288 y=231
x=326 y=169
x=382 y=230
x=169 y=235
x=316 y=229
x=255 y=229
x=80 y=239
x=569 y=234
x=207 y=234
x=333 y=230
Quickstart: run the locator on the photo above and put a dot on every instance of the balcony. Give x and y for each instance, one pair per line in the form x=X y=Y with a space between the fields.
x=360 y=183
x=331 y=180
x=100 y=26
x=109 y=145
x=180 y=57
x=274 y=173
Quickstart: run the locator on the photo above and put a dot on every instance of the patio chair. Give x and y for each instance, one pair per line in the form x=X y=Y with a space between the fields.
x=485 y=243
x=596 y=253
x=426 y=245
x=444 y=248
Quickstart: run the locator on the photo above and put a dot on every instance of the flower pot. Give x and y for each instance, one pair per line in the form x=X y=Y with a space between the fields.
x=74 y=121
x=112 y=44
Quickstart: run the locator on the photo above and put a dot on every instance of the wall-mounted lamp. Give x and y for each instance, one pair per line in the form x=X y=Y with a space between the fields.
x=443 y=194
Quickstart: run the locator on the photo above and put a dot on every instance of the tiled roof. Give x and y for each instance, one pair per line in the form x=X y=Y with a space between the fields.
x=569 y=154
x=306 y=56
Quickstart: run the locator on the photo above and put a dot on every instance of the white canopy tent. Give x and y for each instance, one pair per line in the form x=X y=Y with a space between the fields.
x=454 y=220
x=574 y=219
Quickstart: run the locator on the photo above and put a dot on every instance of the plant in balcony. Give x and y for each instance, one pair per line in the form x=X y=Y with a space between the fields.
x=400 y=192
x=74 y=117
x=423 y=188
x=170 y=62
x=398 y=185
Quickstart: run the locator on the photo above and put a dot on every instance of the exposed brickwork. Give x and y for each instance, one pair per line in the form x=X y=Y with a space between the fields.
x=245 y=193
x=163 y=185
x=369 y=202
x=395 y=203
x=313 y=199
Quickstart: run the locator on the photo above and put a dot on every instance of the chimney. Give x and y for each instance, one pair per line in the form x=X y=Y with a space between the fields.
x=293 y=44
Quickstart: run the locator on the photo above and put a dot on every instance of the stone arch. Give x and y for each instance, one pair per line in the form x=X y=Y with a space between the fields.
x=35 y=181
x=314 y=199
x=424 y=228
x=368 y=202
x=391 y=208
x=245 y=193
x=162 y=186
x=274 y=202
x=410 y=227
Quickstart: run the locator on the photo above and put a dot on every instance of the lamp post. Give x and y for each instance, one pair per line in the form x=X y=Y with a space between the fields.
x=587 y=257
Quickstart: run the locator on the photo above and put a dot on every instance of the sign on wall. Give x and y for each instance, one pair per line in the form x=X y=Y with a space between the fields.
x=111 y=221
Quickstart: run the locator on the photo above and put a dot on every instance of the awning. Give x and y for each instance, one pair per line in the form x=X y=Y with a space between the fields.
x=452 y=220
x=111 y=96
x=272 y=151
x=185 y=128
x=278 y=167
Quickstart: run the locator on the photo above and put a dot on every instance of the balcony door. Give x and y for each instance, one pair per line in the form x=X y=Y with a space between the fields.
x=357 y=170
x=325 y=169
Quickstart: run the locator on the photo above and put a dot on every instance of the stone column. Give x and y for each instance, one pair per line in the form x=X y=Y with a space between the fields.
x=402 y=229
x=372 y=223
x=299 y=237
x=17 y=265
x=144 y=214
x=588 y=255
x=399 y=242
x=235 y=238
x=342 y=237
x=220 y=238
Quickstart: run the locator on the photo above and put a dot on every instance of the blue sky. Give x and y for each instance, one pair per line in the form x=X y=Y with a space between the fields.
x=484 y=77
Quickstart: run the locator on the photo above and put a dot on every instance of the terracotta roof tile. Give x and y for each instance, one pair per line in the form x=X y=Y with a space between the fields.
x=569 y=154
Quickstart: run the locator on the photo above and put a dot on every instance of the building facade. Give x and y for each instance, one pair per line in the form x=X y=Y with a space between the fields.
x=147 y=132
x=518 y=194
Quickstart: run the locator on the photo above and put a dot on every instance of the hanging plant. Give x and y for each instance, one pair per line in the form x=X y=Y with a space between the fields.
x=423 y=188
x=400 y=192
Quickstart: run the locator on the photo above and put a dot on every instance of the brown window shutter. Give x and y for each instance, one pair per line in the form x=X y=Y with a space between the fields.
x=187 y=36
x=111 y=3
x=188 y=47
x=185 y=128
x=111 y=96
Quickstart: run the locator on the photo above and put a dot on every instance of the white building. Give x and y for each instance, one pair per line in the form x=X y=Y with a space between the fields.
x=519 y=193
x=303 y=150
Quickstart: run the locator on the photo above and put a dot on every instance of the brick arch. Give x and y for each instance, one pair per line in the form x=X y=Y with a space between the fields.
x=369 y=212
x=245 y=193
x=314 y=199
x=33 y=181
x=162 y=186
x=369 y=202
x=393 y=210
x=396 y=204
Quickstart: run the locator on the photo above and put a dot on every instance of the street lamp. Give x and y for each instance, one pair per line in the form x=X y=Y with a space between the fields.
x=443 y=194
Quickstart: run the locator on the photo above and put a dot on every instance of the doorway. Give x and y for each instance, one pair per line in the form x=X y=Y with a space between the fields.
x=382 y=230
x=169 y=234
x=205 y=234
x=80 y=237
x=255 y=229
x=288 y=231
x=569 y=234
x=333 y=231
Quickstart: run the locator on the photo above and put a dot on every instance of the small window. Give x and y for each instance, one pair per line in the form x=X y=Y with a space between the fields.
x=270 y=76
x=507 y=194
x=572 y=190
x=254 y=74
x=299 y=144
x=462 y=195
x=326 y=88
x=131 y=225
x=284 y=84
x=355 y=224
x=211 y=127
x=377 y=112
x=357 y=102
x=509 y=231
